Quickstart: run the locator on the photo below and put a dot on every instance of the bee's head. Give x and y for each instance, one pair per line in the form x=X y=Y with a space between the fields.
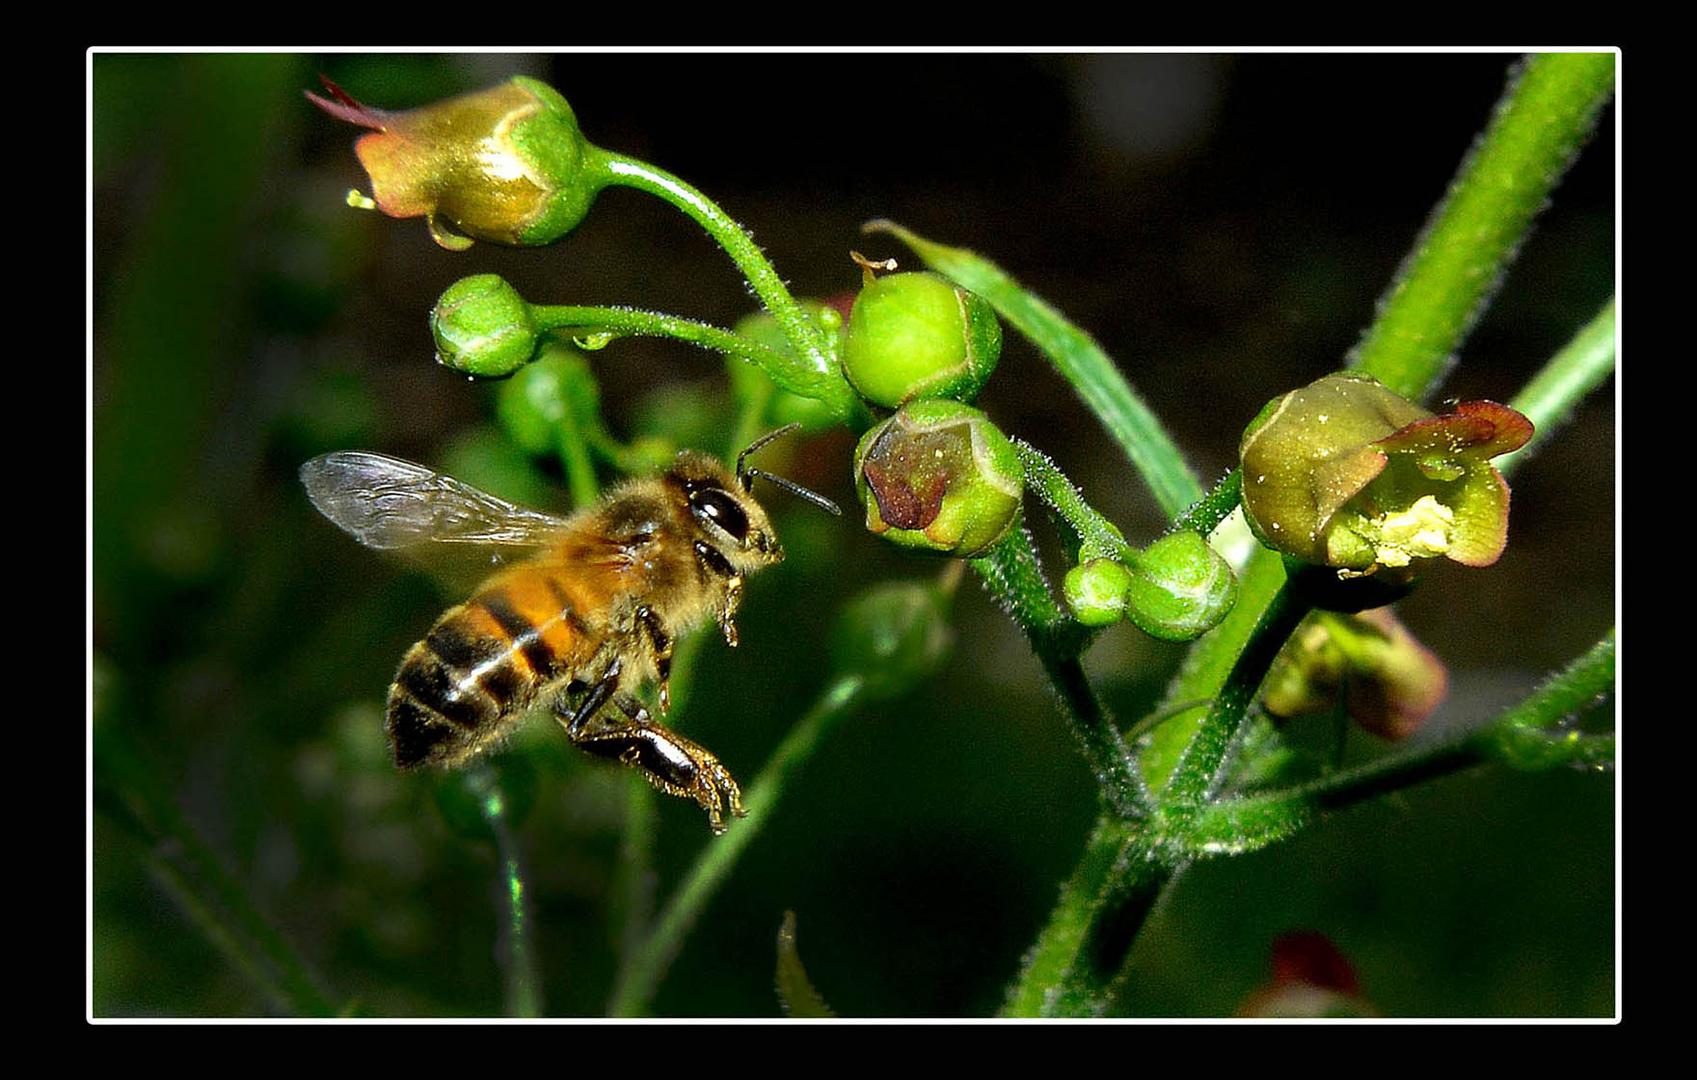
x=724 y=509
x=724 y=514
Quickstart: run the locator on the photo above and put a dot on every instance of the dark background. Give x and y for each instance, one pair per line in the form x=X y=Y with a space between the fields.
x=1222 y=225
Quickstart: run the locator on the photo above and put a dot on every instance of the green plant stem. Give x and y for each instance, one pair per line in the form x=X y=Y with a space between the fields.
x=640 y=980
x=1079 y=360
x=1097 y=536
x=1206 y=514
x=1528 y=736
x=816 y=372
x=127 y=787
x=1201 y=768
x=1436 y=281
x=1546 y=114
x=573 y=445
x=584 y=321
x=1571 y=374
x=523 y=991
x=1015 y=578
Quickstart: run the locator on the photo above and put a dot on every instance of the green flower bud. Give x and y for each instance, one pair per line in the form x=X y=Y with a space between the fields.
x=1182 y=588
x=918 y=336
x=748 y=382
x=1346 y=474
x=506 y=164
x=483 y=327
x=1388 y=680
x=1096 y=591
x=892 y=636
x=939 y=476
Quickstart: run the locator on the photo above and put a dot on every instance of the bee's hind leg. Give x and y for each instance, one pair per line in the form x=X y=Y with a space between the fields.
x=672 y=763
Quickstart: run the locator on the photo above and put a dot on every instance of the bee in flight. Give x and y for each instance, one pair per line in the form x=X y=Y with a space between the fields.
x=583 y=612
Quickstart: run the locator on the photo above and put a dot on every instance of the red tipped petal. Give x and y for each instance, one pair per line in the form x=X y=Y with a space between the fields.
x=1511 y=429
x=345 y=108
x=1480 y=429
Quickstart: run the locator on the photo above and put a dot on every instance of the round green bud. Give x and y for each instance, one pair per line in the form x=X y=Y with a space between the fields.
x=892 y=636
x=483 y=327
x=1182 y=588
x=1096 y=591
x=939 y=476
x=749 y=382
x=914 y=336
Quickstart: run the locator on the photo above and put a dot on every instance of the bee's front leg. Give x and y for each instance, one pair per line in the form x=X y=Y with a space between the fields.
x=672 y=763
x=660 y=641
x=717 y=564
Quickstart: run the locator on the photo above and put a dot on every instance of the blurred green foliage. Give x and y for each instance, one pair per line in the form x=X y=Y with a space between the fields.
x=245 y=320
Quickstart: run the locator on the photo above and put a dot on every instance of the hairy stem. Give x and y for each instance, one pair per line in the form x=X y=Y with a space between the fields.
x=1546 y=114
x=586 y=321
x=1571 y=374
x=1206 y=514
x=1531 y=736
x=1079 y=360
x=1014 y=575
x=1097 y=536
x=816 y=373
x=641 y=977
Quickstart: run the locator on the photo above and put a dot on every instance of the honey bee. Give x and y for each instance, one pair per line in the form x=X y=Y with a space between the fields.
x=583 y=611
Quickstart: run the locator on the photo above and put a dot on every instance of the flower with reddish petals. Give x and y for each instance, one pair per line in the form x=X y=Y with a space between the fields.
x=1388 y=680
x=506 y=164
x=1344 y=473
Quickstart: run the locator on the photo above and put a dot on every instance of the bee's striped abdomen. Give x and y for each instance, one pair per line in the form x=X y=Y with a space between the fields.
x=483 y=664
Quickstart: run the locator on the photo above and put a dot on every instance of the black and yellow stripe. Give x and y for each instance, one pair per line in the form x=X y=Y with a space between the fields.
x=483 y=662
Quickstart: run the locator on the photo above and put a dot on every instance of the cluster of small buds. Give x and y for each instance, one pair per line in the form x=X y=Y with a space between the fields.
x=1176 y=589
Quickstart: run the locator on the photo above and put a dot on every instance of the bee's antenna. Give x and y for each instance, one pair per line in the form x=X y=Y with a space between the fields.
x=795 y=489
x=746 y=474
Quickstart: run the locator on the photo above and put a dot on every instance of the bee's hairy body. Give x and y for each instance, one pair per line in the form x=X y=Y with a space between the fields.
x=587 y=617
x=536 y=628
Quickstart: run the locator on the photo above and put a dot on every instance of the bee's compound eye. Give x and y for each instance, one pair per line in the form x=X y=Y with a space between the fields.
x=711 y=504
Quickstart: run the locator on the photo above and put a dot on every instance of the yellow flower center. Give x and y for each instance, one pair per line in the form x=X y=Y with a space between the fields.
x=1420 y=532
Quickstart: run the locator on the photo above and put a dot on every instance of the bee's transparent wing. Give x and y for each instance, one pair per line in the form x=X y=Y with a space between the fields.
x=395 y=505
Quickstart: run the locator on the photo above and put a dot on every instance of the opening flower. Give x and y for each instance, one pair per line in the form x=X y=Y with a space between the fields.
x=939 y=476
x=505 y=164
x=1347 y=474
x=1388 y=680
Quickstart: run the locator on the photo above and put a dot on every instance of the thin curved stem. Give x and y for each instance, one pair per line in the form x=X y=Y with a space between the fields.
x=1097 y=536
x=1544 y=117
x=640 y=979
x=589 y=320
x=813 y=372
